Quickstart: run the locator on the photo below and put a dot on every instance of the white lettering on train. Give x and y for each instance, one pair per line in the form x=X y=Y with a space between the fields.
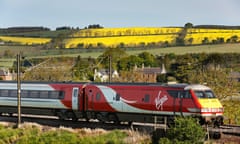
x=159 y=101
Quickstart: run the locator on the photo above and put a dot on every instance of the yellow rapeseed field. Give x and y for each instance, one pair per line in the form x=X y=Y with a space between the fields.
x=115 y=41
x=25 y=40
x=131 y=37
x=126 y=31
x=199 y=35
x=112 y=37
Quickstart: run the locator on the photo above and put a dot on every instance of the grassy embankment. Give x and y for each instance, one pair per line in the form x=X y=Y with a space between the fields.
x=31 y=51
x=30 y=133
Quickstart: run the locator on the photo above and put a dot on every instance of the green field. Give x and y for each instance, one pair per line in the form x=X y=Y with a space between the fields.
x=34 y=52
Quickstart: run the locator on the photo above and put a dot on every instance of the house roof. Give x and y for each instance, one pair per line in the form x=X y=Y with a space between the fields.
x=150 y=70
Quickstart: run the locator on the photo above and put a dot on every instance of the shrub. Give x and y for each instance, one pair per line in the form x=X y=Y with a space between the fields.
x=185 y=130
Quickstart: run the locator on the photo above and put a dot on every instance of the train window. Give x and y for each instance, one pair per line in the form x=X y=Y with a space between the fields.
x=53 y=94
x=13 y=93
x=199 y=94
x=146 y=98
x=3 y=93
x=61 y=94
x=173 y=93
x=34 y=94
x=209 y=94
x=75 y=92
x=204 y=94
x=43 y=94
x=179 y=93
x=117 y=97
x=24 y=93
x=98 y=96
x=187 y=94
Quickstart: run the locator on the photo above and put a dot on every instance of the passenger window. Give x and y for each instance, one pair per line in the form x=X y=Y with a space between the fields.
x=24 y=93
x=53 y=94
x=4 y=93
x=13 y=93
x=43 y=94
x=34 y=94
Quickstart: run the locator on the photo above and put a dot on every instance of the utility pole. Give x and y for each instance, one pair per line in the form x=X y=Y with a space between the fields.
x=18 y=91
x=110 y=69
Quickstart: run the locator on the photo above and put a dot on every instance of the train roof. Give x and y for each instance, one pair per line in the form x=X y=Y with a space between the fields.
x=178 y=85
x=196 y=87
x=175 y=85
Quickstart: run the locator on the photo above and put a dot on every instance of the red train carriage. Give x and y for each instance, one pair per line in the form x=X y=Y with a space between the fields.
x=112 y=102
x=55 y=99
x=143 y=103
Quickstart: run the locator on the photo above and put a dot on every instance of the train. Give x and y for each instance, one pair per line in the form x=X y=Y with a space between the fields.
x=112 y=102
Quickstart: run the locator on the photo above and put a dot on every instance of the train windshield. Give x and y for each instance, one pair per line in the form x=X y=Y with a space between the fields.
x=204 y=94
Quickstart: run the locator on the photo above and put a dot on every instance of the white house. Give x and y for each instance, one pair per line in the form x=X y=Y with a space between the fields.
x=103 y=75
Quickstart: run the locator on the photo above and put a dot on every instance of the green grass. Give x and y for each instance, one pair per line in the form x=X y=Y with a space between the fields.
x=221 y=48
x=34 y=52
x=6 y=63
x=36 y=135
x=45 y=34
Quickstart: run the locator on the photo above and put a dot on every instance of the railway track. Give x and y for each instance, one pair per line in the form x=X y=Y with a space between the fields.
x=214 y=133
x=226 y=129
x=55 y=122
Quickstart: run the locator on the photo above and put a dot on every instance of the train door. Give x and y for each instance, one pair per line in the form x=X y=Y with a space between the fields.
x=181 y=101
x=187 y=101
x=83 y=100
x=179 y=104
x=177 y=101
x=89 y=93
x=75 y=95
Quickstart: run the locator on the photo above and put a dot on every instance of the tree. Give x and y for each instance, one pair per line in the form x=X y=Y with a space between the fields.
x=115 y=53
x=183 y=67
x=148 y=59
x=188 y=25
x=162 y=78
x=94 y=26
x=128 y=63
x=205 y=40
x=83 y=69
x=190 y=41
x=234 y=39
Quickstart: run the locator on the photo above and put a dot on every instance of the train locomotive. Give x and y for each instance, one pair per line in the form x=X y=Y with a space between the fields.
x=112 y=102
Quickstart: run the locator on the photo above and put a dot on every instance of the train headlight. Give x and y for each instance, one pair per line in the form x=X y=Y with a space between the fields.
x=220 y=109
x=205 y=110
x=212 y=110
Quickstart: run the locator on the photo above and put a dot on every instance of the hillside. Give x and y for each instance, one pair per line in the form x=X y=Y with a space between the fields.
x=133 y=37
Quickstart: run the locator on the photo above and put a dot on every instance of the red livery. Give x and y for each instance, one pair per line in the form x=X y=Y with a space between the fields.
x=117 y=102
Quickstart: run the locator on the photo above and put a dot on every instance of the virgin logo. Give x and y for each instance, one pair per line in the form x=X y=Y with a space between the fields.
x=159 y=101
